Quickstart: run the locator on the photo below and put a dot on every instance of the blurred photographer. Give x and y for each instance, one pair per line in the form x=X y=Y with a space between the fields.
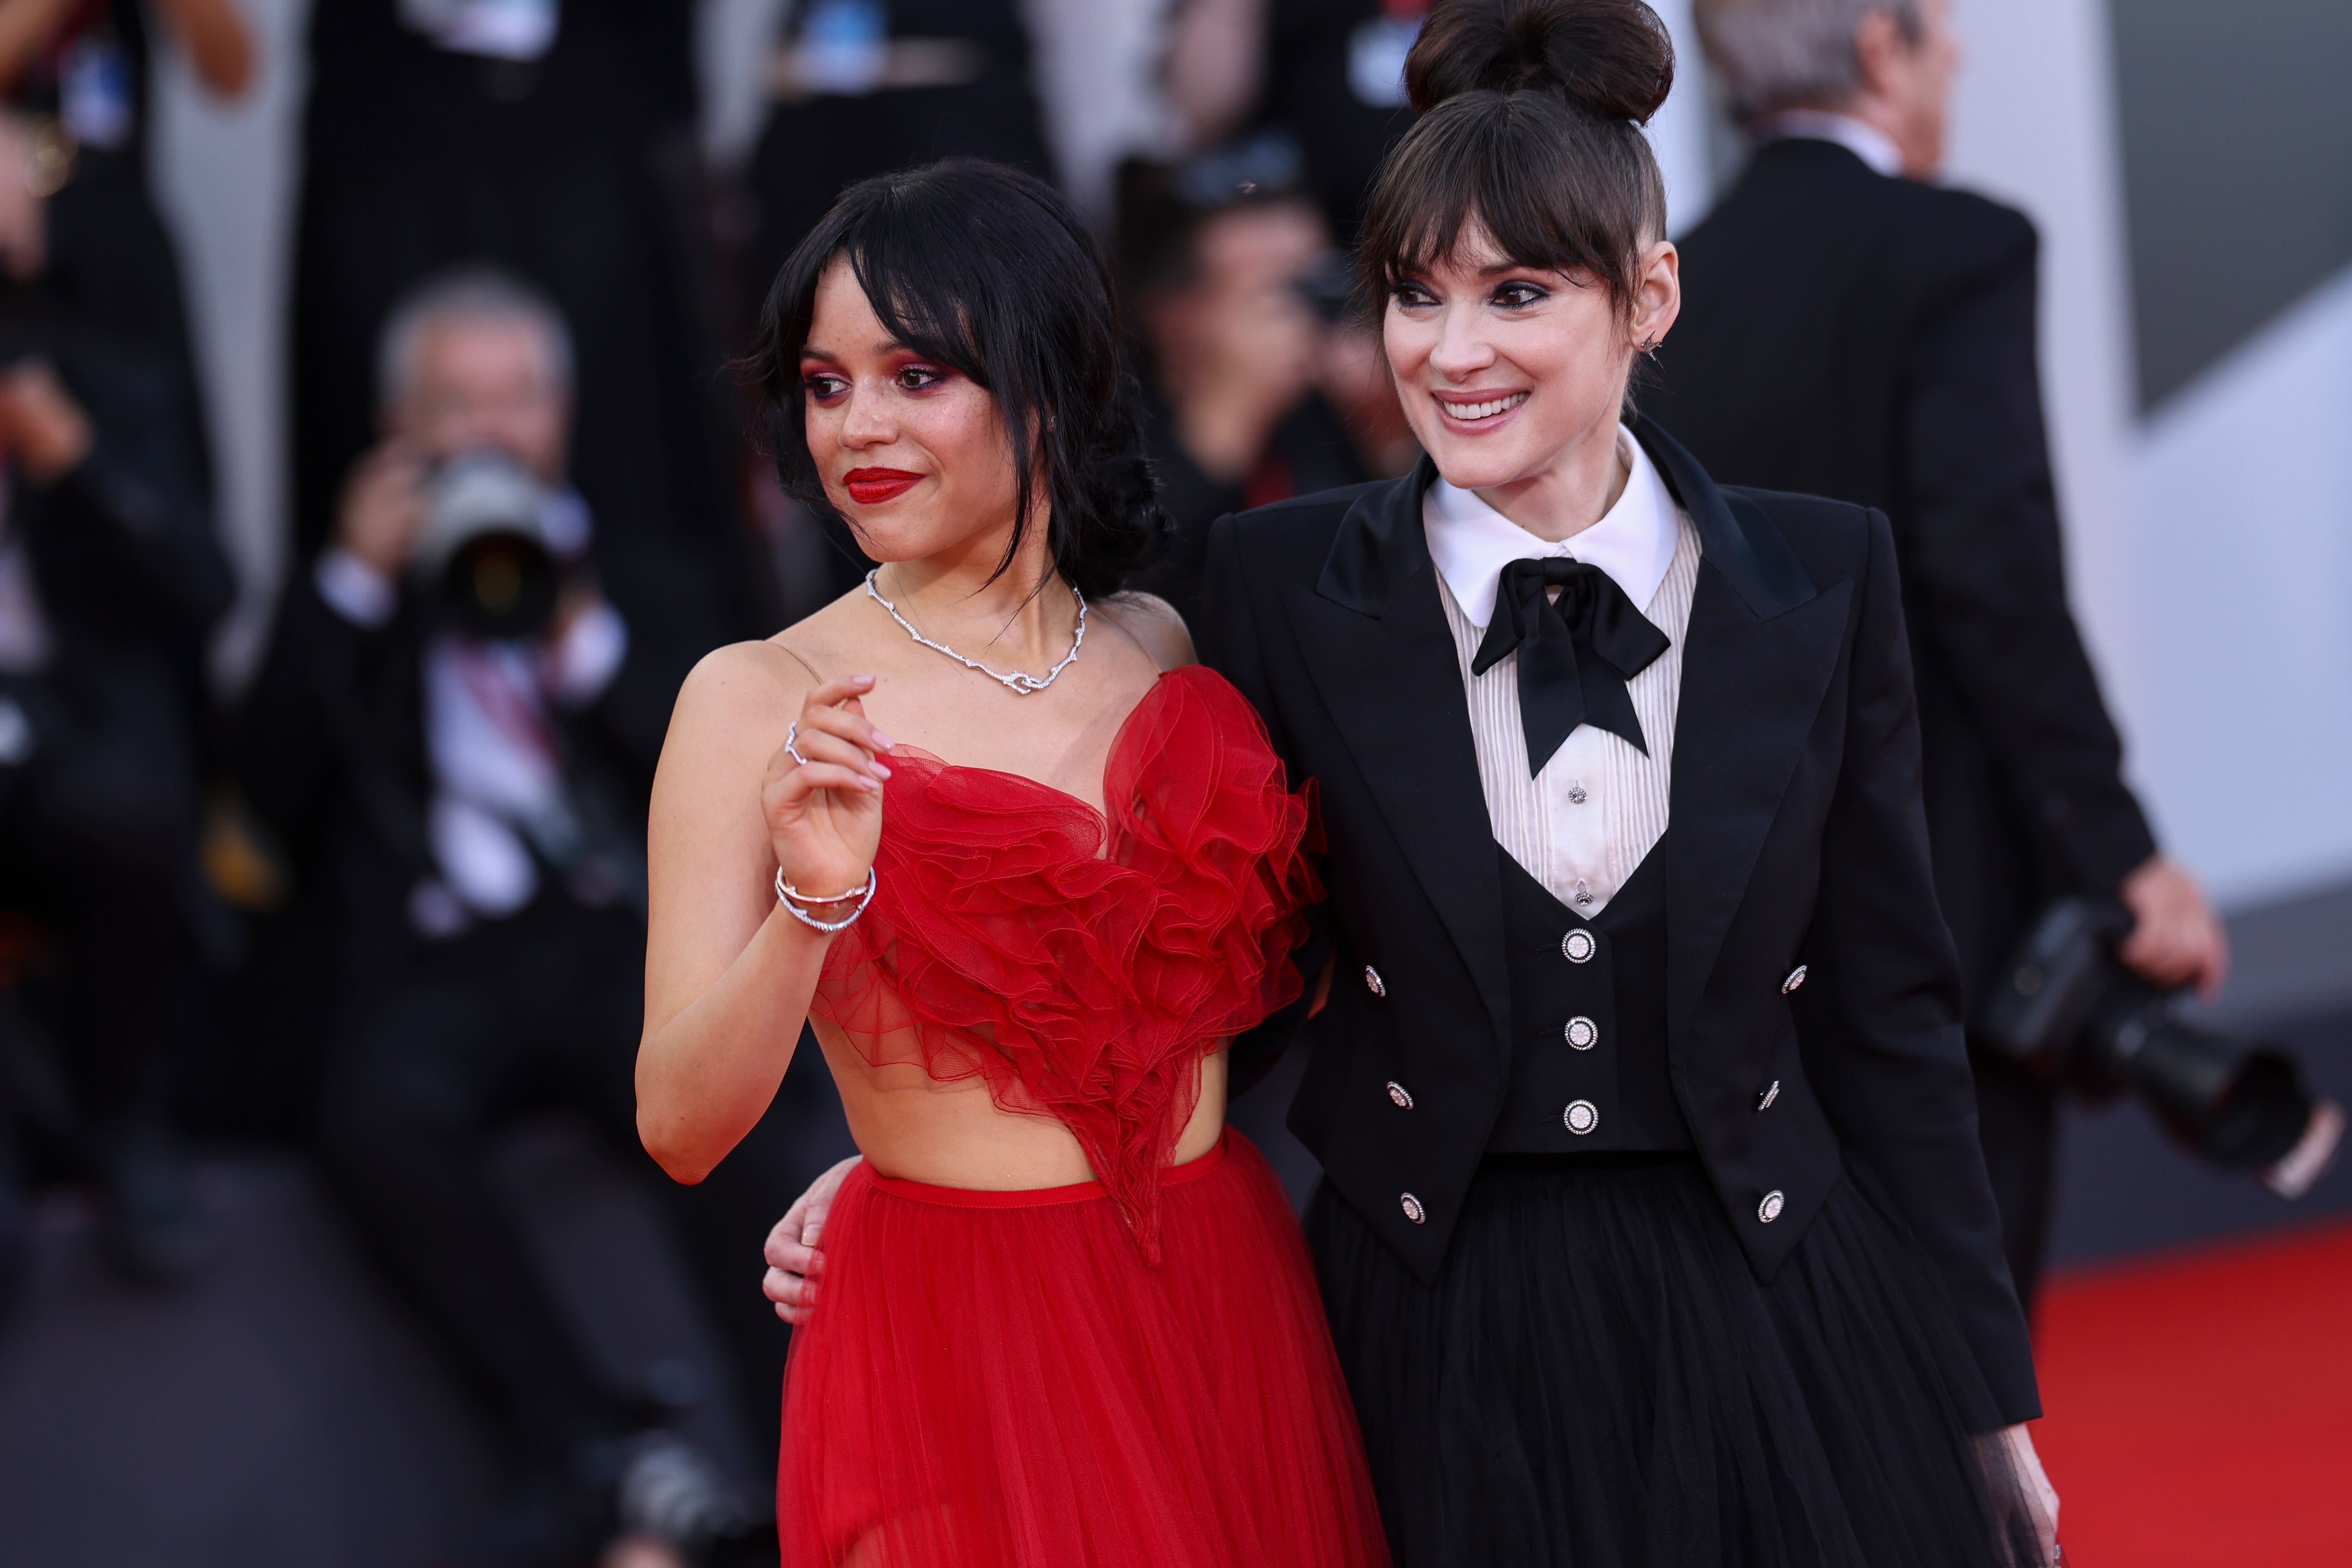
x=454 y=733
x=110 y=579
x=1851 y=329
x=1230 y=283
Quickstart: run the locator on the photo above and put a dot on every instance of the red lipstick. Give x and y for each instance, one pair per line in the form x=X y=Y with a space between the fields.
x=871 y=487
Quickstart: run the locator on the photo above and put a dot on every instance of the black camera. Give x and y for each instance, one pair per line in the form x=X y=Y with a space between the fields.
x=2067 y=1007
x=486 y=548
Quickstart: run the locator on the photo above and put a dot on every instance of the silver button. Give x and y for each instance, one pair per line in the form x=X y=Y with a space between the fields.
x=1763 y=1101
x=1581 y=1116
x=1372 y=982
x=1578 y=946
x=1582 y=1033
x=1404 y=1100
x=1576 y=796
x=1769 y=1209
x=1796 y=978
x=1412 y=1209
x=1584 y=891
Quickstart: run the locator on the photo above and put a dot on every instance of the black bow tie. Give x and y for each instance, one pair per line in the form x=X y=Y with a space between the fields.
x=1575 y=656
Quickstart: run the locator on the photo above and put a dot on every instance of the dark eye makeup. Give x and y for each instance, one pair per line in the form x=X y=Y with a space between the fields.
x=1512 y=294
x=825 y=385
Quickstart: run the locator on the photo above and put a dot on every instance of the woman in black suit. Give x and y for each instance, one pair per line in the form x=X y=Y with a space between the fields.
x=1653 y=1227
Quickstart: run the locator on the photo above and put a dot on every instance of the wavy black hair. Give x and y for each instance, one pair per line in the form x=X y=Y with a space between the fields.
x=988 y=270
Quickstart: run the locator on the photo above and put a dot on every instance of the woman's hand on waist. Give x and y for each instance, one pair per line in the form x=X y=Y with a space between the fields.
x=794 y=1262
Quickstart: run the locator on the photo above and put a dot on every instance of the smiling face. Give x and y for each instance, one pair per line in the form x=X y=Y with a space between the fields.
x=912 y=452
x=1508 y=373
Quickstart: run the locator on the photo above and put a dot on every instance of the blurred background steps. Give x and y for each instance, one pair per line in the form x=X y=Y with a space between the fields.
x=281 y=1412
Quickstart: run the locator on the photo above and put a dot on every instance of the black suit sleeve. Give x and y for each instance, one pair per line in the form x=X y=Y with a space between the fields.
x=630 y=715
x=1226 y=639
x=1880 y=1018
x=157 y=537
x=309 y=729
x=1982 y=556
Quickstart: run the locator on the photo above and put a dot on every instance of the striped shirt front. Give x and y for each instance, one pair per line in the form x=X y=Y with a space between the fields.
x=1583 y=824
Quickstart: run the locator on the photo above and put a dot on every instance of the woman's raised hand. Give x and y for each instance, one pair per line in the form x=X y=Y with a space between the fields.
x=824 y=805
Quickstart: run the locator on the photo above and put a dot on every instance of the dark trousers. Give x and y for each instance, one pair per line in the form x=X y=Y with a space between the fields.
x=97 y=844
x=544 y=1008
x=2017 y=1122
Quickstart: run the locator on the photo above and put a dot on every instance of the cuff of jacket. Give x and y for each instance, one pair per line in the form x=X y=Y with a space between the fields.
x=96 y=485
x=2105 y=840
x=353 y=589
x=2016 y=1396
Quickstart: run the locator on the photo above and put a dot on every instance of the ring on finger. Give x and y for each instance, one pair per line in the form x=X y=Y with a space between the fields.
x=792 y=751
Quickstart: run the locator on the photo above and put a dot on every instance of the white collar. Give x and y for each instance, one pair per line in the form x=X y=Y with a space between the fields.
x=1634 y=542
x=1863 y=140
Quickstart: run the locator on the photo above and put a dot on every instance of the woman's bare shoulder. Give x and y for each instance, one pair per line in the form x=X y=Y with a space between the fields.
x=746 y=681
x=731 y=714
x=1153 y=623
x=746 y=677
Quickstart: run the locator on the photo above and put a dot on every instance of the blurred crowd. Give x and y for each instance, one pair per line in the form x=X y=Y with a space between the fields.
x=384 y=897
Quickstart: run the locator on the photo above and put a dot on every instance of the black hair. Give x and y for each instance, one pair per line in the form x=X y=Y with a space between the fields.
x=1530 y=127
x=986 y=269
x=1162 y=208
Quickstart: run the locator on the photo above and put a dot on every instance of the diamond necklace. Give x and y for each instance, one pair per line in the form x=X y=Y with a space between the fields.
x=1021 y=683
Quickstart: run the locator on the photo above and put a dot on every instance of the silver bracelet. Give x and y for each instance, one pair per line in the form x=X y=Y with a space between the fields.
x=787 y=890
x=786 y=893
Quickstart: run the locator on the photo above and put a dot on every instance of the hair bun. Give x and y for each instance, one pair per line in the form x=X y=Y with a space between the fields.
x=1611 y=57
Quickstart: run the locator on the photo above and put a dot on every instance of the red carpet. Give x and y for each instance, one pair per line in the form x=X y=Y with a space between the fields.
x=2200 y=1406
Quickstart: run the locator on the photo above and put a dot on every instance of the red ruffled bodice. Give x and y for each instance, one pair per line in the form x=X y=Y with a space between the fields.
x=1084 y=963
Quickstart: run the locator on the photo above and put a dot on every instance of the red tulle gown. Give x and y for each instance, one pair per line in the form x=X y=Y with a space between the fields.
x=1133 y=1372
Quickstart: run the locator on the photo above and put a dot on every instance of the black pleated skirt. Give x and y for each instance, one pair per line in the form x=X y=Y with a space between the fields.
x=1600 y=1381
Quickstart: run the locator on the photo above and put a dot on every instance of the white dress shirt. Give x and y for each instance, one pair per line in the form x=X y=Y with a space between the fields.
x=1582 y=826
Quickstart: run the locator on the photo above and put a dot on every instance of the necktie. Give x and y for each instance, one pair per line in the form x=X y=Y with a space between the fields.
x=1575 y=655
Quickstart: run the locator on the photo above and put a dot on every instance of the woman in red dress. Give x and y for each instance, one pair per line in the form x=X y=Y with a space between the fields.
x=1067 y=1318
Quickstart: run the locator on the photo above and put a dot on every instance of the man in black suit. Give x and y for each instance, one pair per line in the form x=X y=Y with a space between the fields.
x=1849 y=329
x=465 y=810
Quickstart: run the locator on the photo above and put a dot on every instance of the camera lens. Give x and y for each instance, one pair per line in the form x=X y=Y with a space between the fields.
x=486 y=546
x=501 y=586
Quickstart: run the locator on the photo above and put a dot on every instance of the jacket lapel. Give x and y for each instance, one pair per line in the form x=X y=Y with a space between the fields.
x=1375 y=641
x=1762 y=645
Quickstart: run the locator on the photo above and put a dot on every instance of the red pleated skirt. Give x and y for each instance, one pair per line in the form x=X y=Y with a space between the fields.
x=998 y=1379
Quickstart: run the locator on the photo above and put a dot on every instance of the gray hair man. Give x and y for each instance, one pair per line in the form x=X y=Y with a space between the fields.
x=1852 y=330
x=1801 y=66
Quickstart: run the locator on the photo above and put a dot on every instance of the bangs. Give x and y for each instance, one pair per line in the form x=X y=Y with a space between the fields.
x=928 y=296
x=1548 y=186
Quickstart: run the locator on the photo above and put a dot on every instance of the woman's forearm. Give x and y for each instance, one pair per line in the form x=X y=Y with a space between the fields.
x=706 y=1074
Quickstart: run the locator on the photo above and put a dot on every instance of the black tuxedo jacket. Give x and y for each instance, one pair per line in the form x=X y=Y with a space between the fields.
x=1798 y=839
x=1846 y=334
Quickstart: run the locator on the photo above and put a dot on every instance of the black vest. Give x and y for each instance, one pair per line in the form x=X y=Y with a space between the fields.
x=1589 y=1019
